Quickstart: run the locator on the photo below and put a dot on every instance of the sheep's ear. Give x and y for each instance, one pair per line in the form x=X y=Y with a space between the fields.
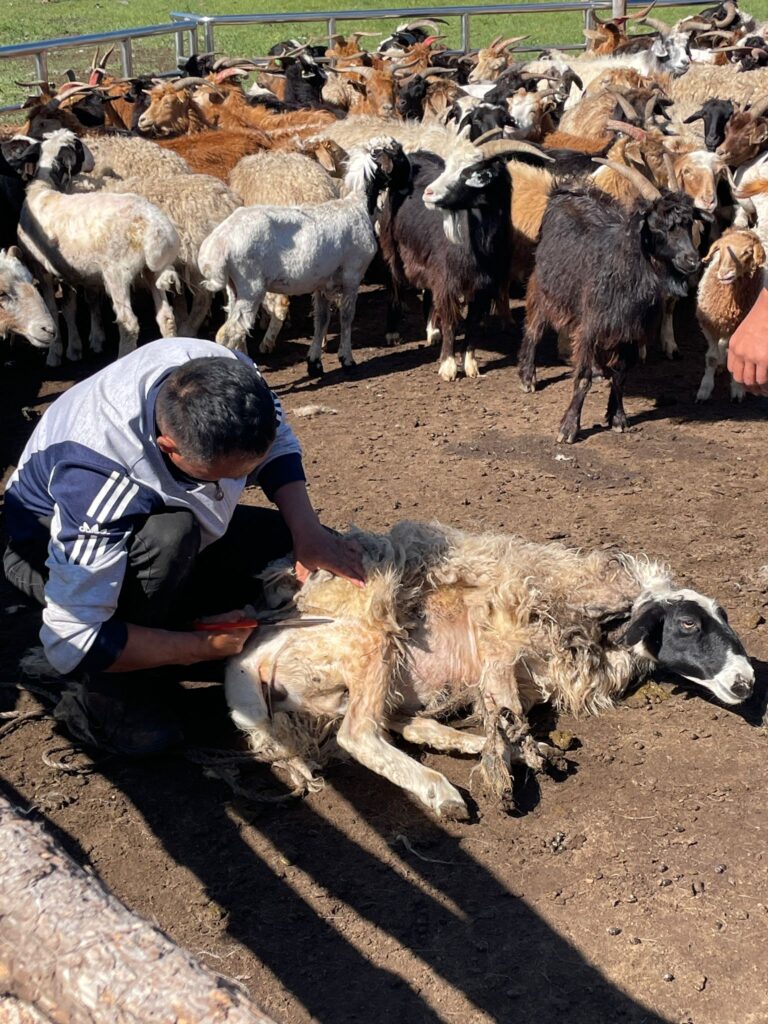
x=15 y=252
x=646 y=627
x=758 y=254
x=713 y=251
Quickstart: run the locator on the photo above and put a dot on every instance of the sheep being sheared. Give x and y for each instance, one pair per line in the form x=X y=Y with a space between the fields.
x=451 y=621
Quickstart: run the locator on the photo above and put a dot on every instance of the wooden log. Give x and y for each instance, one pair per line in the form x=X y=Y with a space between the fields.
x=76 y=954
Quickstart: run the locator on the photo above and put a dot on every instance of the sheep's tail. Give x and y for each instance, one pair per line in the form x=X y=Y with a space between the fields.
x=213 y=267
x=161 y=245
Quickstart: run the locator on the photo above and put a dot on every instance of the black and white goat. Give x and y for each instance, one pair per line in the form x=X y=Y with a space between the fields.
x=448 y=232
x=602 y=275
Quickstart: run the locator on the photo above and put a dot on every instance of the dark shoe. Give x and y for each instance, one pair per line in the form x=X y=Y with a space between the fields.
x=116 y=725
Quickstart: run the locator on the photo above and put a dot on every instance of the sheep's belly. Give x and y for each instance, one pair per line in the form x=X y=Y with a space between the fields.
x=441 y=663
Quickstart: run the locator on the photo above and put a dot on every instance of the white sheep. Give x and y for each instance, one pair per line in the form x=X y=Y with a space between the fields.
x=728 y=289
x=96 y=241
x=449 y=622
x=322 y=248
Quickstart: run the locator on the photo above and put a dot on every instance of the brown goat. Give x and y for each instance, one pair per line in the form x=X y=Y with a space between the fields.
x=746 y=135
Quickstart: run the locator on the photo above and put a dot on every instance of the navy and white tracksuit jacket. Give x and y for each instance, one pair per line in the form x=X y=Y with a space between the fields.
x=93 y=469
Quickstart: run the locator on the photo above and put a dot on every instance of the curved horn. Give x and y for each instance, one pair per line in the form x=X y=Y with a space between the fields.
x=437 y=71
x=639 y=15
x=674 y=181
x=627 y=108
x=222 y=76
x=433 y=23
x=732 y=254
x=660 y=26
x=632 y=130
x=646 y=188
x=694 y=25
x=487 y=135
x=512 y=40
x=359 y=35
x=731 y=13
x=650 y=106
x=759 y=108
x=189 y=83
x=490 y=149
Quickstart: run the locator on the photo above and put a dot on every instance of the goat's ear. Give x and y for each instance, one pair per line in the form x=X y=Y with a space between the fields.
x=713 y=251
x=758 y=254
x=659 y=48
x=694 y=117
x=645 y=628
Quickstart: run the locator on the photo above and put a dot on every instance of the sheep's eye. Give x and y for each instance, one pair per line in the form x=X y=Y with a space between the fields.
x=4 y=296
x=688 y=625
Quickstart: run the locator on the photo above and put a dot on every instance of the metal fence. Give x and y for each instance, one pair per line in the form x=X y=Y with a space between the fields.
x=185 y=27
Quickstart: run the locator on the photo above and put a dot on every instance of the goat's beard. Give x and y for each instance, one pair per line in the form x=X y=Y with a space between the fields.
x=455 y=225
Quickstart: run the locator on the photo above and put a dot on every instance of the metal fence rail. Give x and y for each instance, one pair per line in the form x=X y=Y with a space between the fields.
x=184 y=27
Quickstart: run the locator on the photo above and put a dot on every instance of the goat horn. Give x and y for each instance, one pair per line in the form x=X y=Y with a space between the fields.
x=437 y=71
x=590 y=33
x=730 y=15
x=512 y=40
x=47 y=86
x=103 y=63
x=425 y=21
x=660 y=26
x=646 y=188
x=732 y=254
x=650 y=106
x=359 y=35
x=491 y=149
x=639 y=15
x=695 y=25
x=487 y=135
x=188 y=83
x=759 y=108
x=715 y=32
x=669 y=164
x=628 y=129
x=626 y=106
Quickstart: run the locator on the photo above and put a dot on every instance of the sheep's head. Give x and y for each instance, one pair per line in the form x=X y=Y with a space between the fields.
x=22 y=310
x=62 y=155
x=715 y=114
x=736 y=254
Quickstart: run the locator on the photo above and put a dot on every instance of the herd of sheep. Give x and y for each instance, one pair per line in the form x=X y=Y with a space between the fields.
x=605 y=187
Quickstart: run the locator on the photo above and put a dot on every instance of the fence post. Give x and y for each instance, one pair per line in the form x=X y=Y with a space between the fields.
x=465 y=32
x=192 y=39
x=331 y=31
x=619 y=8
x=41 y=66
x=179 y=47
x=126 y=57
x=208 y=42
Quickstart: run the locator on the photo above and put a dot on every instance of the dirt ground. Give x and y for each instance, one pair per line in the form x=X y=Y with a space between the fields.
x=634 y=888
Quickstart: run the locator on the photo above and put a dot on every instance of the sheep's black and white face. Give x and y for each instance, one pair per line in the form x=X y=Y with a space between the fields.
x=689 y=634
x=464 y=186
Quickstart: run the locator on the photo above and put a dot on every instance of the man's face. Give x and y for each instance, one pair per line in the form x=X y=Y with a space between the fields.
x=226 y=467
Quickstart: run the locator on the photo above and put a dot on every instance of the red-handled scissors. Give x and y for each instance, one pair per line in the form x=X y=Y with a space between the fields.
x=225 y=627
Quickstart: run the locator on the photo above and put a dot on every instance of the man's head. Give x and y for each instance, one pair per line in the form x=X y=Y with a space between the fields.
x=215 y=418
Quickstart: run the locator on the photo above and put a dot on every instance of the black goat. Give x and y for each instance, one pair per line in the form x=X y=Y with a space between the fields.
x=410 y=98
x=715 y=114
x=16 y=155
x=483 y=118
x=602 y=275
x=447 y=231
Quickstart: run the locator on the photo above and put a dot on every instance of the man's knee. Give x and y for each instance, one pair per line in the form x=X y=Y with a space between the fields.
x=168 y=542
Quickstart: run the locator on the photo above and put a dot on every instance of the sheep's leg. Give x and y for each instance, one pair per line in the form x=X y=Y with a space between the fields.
x=507 y=735
x=668 y=343
x=362 y=736
x=428 y=732
x=711 y=363
x=164 y=317
x=478 y=310
x=394 y=314
x=127 y=324
x=534 y=330
x=181 y=313
x=277 y=306
x=243 y=301
x=322 y=311
x=69 y=312
x=615 y=416
x=98 y=334
x=737 y=390
x=199 y=310
x=571 y=421
x=346 y=316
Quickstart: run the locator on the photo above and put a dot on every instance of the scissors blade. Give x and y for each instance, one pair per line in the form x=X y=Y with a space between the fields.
x=296 y=623
x=225 y=627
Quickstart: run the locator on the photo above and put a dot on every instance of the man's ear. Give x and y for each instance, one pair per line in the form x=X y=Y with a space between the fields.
x=645 y=627
x=167 y=445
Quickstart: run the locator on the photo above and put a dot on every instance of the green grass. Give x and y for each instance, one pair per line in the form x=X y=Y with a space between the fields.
x=28 y=20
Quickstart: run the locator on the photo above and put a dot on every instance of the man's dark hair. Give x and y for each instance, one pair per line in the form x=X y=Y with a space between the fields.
x=214 y=407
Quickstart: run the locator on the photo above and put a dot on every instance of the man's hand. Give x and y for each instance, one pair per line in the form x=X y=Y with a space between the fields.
x=748 y=348
x=321 y=549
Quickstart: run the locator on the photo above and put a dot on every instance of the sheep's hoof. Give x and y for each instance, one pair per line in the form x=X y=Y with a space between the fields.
x=266 y=347
x=449 y=369
x=703 y=394
x=53 y=359
x=75 y=354
x=567 y=435
x=672 y=353
x=392 y=338
x=454 y=810
x=471 y=369
x=528 y=386
x=347 y=365
x=314 y=368
x=737 y=393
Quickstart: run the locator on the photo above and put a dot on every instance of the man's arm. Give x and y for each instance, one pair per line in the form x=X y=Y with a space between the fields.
x=748 y=348
x=153 y=648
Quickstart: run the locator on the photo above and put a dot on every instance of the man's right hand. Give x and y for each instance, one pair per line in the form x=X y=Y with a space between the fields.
x=224 y=644
x=748 y=348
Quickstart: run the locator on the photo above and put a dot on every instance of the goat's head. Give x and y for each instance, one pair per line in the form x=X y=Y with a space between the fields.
x=699 y=174
x=378 y=88
x=493 y=59
x=746 y=135
x=482 y=119
x=715 y=114
x=49 y=113
x=688 y=634
x=172 y=108
x=22 y=309
x=672 y=52
x=380 y=163
x=737 y=253
x=62 y=155
x=467 y=180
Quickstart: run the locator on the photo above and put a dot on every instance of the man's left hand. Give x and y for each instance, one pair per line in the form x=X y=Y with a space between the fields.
x=325 y=550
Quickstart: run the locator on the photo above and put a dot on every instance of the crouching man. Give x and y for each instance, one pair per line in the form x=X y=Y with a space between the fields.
x=123 y=522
